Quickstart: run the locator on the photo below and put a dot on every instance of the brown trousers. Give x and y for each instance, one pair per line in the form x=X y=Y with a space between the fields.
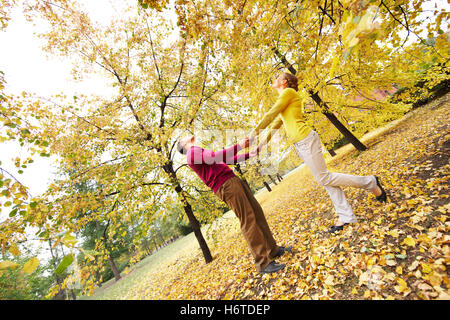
x=238 y=196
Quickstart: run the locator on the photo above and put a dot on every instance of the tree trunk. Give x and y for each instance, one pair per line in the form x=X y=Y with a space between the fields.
x=110 y=259
x=330 y=116
x=331 y=151
x=241 y=176
x=114 y=268
x=168 y=168
x=198 y=233
x=154 y=244
x=59 y=280
x=272 y=179
x=335 y=121
x=160 y=237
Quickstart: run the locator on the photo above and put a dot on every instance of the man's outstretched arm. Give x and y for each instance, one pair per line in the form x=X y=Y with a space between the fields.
x=227 y=155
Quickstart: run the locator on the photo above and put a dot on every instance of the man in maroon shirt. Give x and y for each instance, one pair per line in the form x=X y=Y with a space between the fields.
x=213 y=170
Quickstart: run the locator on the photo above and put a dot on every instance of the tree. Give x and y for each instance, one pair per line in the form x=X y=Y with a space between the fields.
x=19 y=282
x=125 y=144
x=344 y=49
x=19 y=119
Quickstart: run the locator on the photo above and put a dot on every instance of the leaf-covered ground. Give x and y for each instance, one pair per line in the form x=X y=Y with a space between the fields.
x=397 y=250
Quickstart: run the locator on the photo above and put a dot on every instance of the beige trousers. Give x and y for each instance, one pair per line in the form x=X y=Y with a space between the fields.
x=310 y=151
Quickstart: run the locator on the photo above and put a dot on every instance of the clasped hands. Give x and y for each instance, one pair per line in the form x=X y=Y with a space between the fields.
x=246 y=142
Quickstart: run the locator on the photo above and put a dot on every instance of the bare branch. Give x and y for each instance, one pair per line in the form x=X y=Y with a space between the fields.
x=163 y=104
x=154 y=56
x=99 y=165
x=5 y=171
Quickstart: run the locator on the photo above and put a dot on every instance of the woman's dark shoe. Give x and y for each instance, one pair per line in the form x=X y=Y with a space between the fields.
x=336 y=228
x=272 y=267
x=382 y=197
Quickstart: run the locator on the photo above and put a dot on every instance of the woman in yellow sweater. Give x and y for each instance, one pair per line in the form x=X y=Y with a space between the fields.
x=288 y=111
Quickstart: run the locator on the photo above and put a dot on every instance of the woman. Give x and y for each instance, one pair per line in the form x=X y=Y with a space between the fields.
x=289 y=108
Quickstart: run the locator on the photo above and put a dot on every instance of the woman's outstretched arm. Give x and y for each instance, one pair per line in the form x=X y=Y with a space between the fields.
x=281 y=104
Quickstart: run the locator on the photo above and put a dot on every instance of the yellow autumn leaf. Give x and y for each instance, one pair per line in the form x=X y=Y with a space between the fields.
x=8 y=264
x=435 y=279
x=443 y=296
x=315 y=259
x=413 y=266
x=365 y=23
x=391 y=262
x=363 y=278
x=426 y=268
x=402 y=286
x=409 y=241
x=14 y=250
x=345 y=3
x=69 y=240
x=333 y=65
x=393 y=233
x=370 y=262
x=31 y=265
x=329 y=280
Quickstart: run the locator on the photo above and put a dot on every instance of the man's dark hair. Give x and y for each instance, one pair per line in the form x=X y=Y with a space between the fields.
x=180 y=147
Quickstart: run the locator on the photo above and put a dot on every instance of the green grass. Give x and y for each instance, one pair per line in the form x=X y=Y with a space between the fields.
x=181 y=249
x=153 y=263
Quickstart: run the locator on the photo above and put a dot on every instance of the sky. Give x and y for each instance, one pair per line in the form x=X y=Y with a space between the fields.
x=27 y=68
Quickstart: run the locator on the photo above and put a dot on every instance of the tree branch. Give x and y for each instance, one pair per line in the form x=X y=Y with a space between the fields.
x=163 y=104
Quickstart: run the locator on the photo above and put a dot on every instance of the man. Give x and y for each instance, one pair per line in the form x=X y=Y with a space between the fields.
x=213 y=170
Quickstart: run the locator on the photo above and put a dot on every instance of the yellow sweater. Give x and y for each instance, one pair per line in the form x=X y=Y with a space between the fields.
x=289 y=106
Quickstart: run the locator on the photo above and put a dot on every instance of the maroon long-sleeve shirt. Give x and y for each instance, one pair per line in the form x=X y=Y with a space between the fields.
x=212 y=166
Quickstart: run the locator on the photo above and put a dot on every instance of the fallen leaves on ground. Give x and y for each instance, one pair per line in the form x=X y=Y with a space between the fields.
x=397 y=250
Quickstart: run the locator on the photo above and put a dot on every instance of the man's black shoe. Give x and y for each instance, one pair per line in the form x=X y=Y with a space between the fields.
x=333 y=229
x=272 y=267
x=282 y=250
